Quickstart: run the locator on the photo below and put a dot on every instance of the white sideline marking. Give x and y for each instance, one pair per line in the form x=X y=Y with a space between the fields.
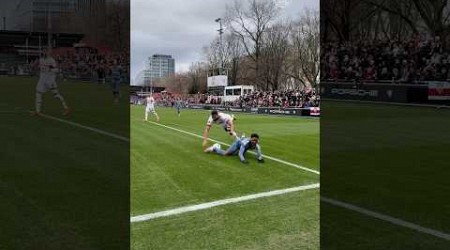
x=78 y=125
x=387 y=218
x=87 y=128
x=208 y=205
x=266 y=156
x=10 y=112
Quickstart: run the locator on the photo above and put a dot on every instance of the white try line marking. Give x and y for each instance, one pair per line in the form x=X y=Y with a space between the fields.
x=192 y=208
x=387 y=218
x=266 y=156
x=96 y=130
x=10 y=112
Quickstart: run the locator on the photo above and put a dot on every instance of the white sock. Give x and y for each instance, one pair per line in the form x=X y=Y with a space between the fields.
x=38 y=101
x=58 y=96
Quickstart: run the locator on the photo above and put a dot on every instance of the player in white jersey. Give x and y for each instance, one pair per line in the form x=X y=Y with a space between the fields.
x=150 y=107
x=47 y=82
x=224 y=120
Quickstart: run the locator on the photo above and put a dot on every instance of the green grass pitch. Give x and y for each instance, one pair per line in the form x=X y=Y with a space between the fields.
x=169 y=170
x=390 y=159
x=63 y=187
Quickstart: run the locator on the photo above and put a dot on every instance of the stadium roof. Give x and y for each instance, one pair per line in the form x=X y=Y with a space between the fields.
x=8 y=38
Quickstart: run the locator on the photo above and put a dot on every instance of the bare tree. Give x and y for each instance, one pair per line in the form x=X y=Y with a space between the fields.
x=398 y=19
x=176 y=83
x=233 y=51
x=338 y=17
x=274 y=54
x=436 y=15
x=229 y=55
x=397 y=16
x=249 y=22
x=211 y=54
x=305 y=59
x=197 y=76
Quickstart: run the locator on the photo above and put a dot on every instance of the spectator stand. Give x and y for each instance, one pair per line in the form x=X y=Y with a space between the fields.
x=421 y=58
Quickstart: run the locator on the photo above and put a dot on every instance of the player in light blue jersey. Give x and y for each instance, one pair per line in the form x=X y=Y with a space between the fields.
x=240 y=147
x=178 y=106
x=116 y=79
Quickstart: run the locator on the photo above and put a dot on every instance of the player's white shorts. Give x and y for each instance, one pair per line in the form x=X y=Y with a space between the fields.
x=150 y=109
x=45 y=85
x=227 y=126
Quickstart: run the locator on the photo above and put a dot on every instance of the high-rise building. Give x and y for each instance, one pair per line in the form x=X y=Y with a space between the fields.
x=159 y=66
x=34 y=15
x=57 y=15
x=90 y=5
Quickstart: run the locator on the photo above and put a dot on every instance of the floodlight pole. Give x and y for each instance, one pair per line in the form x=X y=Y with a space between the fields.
x=220 y=30
x=49 y=26
x=151 y=78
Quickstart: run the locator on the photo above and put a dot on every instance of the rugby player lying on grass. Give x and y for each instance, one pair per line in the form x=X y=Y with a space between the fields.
x=240 y=147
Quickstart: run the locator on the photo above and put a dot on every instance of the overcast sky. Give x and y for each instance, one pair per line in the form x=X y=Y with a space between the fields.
x=182 y=27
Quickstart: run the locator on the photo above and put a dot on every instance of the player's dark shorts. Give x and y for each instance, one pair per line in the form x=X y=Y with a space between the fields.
x=115 y=85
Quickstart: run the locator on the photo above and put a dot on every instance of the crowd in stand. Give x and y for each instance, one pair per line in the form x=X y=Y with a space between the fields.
x=284 y=99
x=420 y=58
x=88 y=64
x=291 y=98
x=84 y=64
